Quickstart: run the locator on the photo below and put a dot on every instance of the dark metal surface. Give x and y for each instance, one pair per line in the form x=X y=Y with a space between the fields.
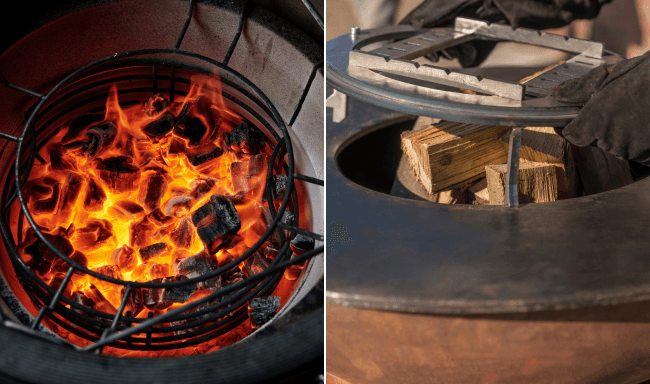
x=396 y=254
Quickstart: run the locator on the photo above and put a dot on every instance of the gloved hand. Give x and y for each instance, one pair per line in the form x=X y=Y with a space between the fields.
x=536 y=14
x=616 y=103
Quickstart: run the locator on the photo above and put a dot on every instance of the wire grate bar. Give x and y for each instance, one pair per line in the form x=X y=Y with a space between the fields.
x=127 y=293
x=301 y=231
x=145 y=326
x=312 y=76
x=314 y=13
x=240 y=27
x=23 y=90
x=10 y=137
x=187 y=24
x=55 y=298
x=309 y=179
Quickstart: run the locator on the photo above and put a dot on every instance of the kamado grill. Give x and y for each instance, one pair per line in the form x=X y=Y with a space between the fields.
x=425 y=292
x=171 y=194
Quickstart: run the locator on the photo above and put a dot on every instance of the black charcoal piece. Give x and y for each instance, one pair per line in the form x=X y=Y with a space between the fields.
x=78 y=125
x=280 y=187
x=190 y=128
x=218 y=217
x=153 y=297
x=177 y=294
x=255 y=264
x=124 y=257
x=96 y=232
x=96 y=196
x=49 y=205
x=203 y=154
x=69 y=194
x=118 y=173
x=237 y=198
x=43 y=257
x=249 y=177
x=178 y=206
x=159 y=127
x=198 y=265
x=135 y=302
x=183 y=235
x=301 y=244
x=153 y=251
x=101 y=137
x=159 y=218
x=59 y=161
x=129 y=208
x=152 y=192
x=157 y=271
x=261 y=310
x=60 y=266
x=176 y=146
x=155 y=105
x=140 y=233
x=246 y=139
x=101 y=303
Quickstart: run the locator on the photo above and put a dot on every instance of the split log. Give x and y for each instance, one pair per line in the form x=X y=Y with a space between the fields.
x=450 y=154
x=478 y=193
x=538 y=182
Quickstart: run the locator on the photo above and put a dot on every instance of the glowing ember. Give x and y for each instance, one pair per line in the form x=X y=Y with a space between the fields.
x=156 y=192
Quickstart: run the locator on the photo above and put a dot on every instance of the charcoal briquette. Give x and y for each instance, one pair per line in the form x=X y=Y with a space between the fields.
x=69 y=194
x=301 y=244
x=140 y=232
x=118 y=173
x=135 y=302
x=177 y=294
x=261 y=310
x=249 y=177
x=125 y=258
x=129 y=209
x=43 y=257
x=153 y=251
x=190 y=128
x=201 y=187
x=183 y=235
x=60 y=161
x=158 y=270
x=101 y=303
x=246 y=139
x=159 y=218
x=203 y=154
x=78 y=125
x=49 y=205
x=95 y=198
x=159 y=127
x=198 y=265
x=178 y=206
x=280 y=187
x=218 y=217
x=152 y=192
x=255 y=264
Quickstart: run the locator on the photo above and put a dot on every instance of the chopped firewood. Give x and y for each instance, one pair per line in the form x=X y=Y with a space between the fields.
x=449 y=154
x=478 y=193
x=538 y=182
x=261 y=310
x=544 y=145
x=601 y=171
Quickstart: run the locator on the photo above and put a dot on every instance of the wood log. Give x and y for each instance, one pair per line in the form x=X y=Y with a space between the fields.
x=478 y=193
x=544 y=145
x=448 y=154
x=538 y=182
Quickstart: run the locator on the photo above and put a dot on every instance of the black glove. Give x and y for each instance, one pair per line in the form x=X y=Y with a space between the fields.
x=616 y=103
x=536 y=14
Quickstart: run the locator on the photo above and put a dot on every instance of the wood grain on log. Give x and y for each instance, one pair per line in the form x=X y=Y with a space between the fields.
x=538 y=182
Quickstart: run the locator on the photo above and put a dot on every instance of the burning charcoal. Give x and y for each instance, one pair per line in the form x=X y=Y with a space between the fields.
x=261 y=310
x=161 y=298
x=201 y=187
x=140 y=232
x=153 y=297
x=260 y=226
x=101 y=304
x=43 y=257
x=118 y=174
x=203 y=154
x=153 y=251
x=124 y=257
x=160 y=234
x=157 y=271
x=69 y=194
x=139 y=273
x=153 y=191
x=178 y=294
x=269 y=252
x=218 y=217
x=287 y=218
x=49 y=205
x=177 y=256
x=178 y=190
x=249 y=177
x=301 y=244
x=155 y=105
x=78 y=125
x=178 y=206
x=159 y=127
x=135 y=303
x=80 y=298
x=110 y=271
x=280 y=182
x=255 y=264
x=159 y=218
x=292 y=272
x=190 y=128
x=96 y=196
x=98 y=139
x=56 y=281
x=176 y=147
x=128 y=209
x=183 y=235
x=61 y=266
x=59 y=161
x=232 y=275
x=36 y=190
x=199 y=265
x=246 y=139
x=94 y=234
